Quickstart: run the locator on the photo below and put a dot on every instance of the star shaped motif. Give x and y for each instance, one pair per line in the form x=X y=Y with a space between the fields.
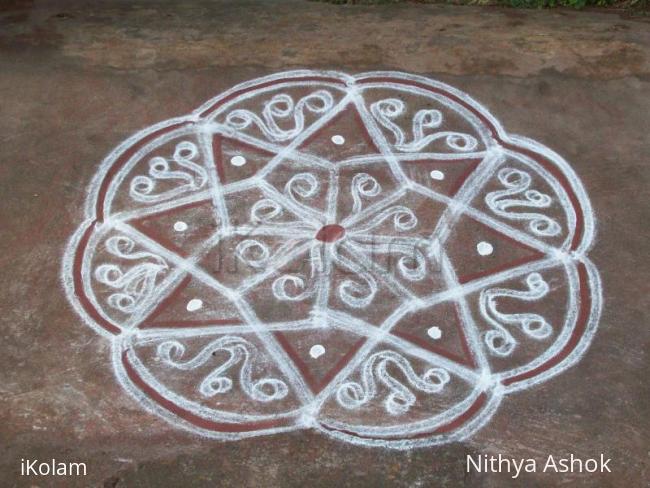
x=370 y=256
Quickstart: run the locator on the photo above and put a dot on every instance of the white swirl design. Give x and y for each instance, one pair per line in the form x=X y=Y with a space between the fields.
x=281 y=285
x=282 y=107
x=137 y=283
x=517 y=182
x=240 y=350
x=303 y=186
x=353 y=395
x=142 y=187
x=391 y=108
x=356 y=293
x=253 y=253
x=412 y=263
x=265 y=211
x=363 y=185
x=499 y=341
x=403 y=219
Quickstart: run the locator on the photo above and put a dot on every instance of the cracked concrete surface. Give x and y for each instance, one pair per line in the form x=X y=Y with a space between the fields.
x=76 y=79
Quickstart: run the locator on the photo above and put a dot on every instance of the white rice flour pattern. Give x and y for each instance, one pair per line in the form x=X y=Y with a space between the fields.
x=370 y=256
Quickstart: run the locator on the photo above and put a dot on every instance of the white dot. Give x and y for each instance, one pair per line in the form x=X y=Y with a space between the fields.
x=194 y=304
x=180 y=226
x=238 y=160
x=484 y=248
x=437 y=175
x=434 y=332
x=316 y=351
x=338 y=139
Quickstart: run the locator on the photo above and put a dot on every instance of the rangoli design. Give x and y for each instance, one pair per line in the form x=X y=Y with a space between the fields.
x=371 y=256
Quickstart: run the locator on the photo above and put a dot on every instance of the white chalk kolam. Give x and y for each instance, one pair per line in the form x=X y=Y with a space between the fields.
x=369 y=256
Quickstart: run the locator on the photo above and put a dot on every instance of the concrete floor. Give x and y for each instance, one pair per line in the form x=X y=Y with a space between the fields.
x=76 y=79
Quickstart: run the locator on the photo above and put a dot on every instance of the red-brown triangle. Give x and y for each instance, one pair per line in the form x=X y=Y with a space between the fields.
x=343 y=137
x=438 y=329
x=192 y=304
x=319 y=366
x=236 y=160
x=181 y=229
x=477 y=250
x=445 y=177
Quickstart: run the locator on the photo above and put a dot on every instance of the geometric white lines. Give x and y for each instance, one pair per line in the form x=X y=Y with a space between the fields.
x=369 y=256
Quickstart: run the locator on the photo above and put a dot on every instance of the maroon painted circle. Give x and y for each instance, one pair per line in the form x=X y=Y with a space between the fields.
x=330 y=233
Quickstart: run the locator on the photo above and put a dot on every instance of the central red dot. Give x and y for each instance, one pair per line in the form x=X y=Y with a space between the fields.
x=330 y=233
